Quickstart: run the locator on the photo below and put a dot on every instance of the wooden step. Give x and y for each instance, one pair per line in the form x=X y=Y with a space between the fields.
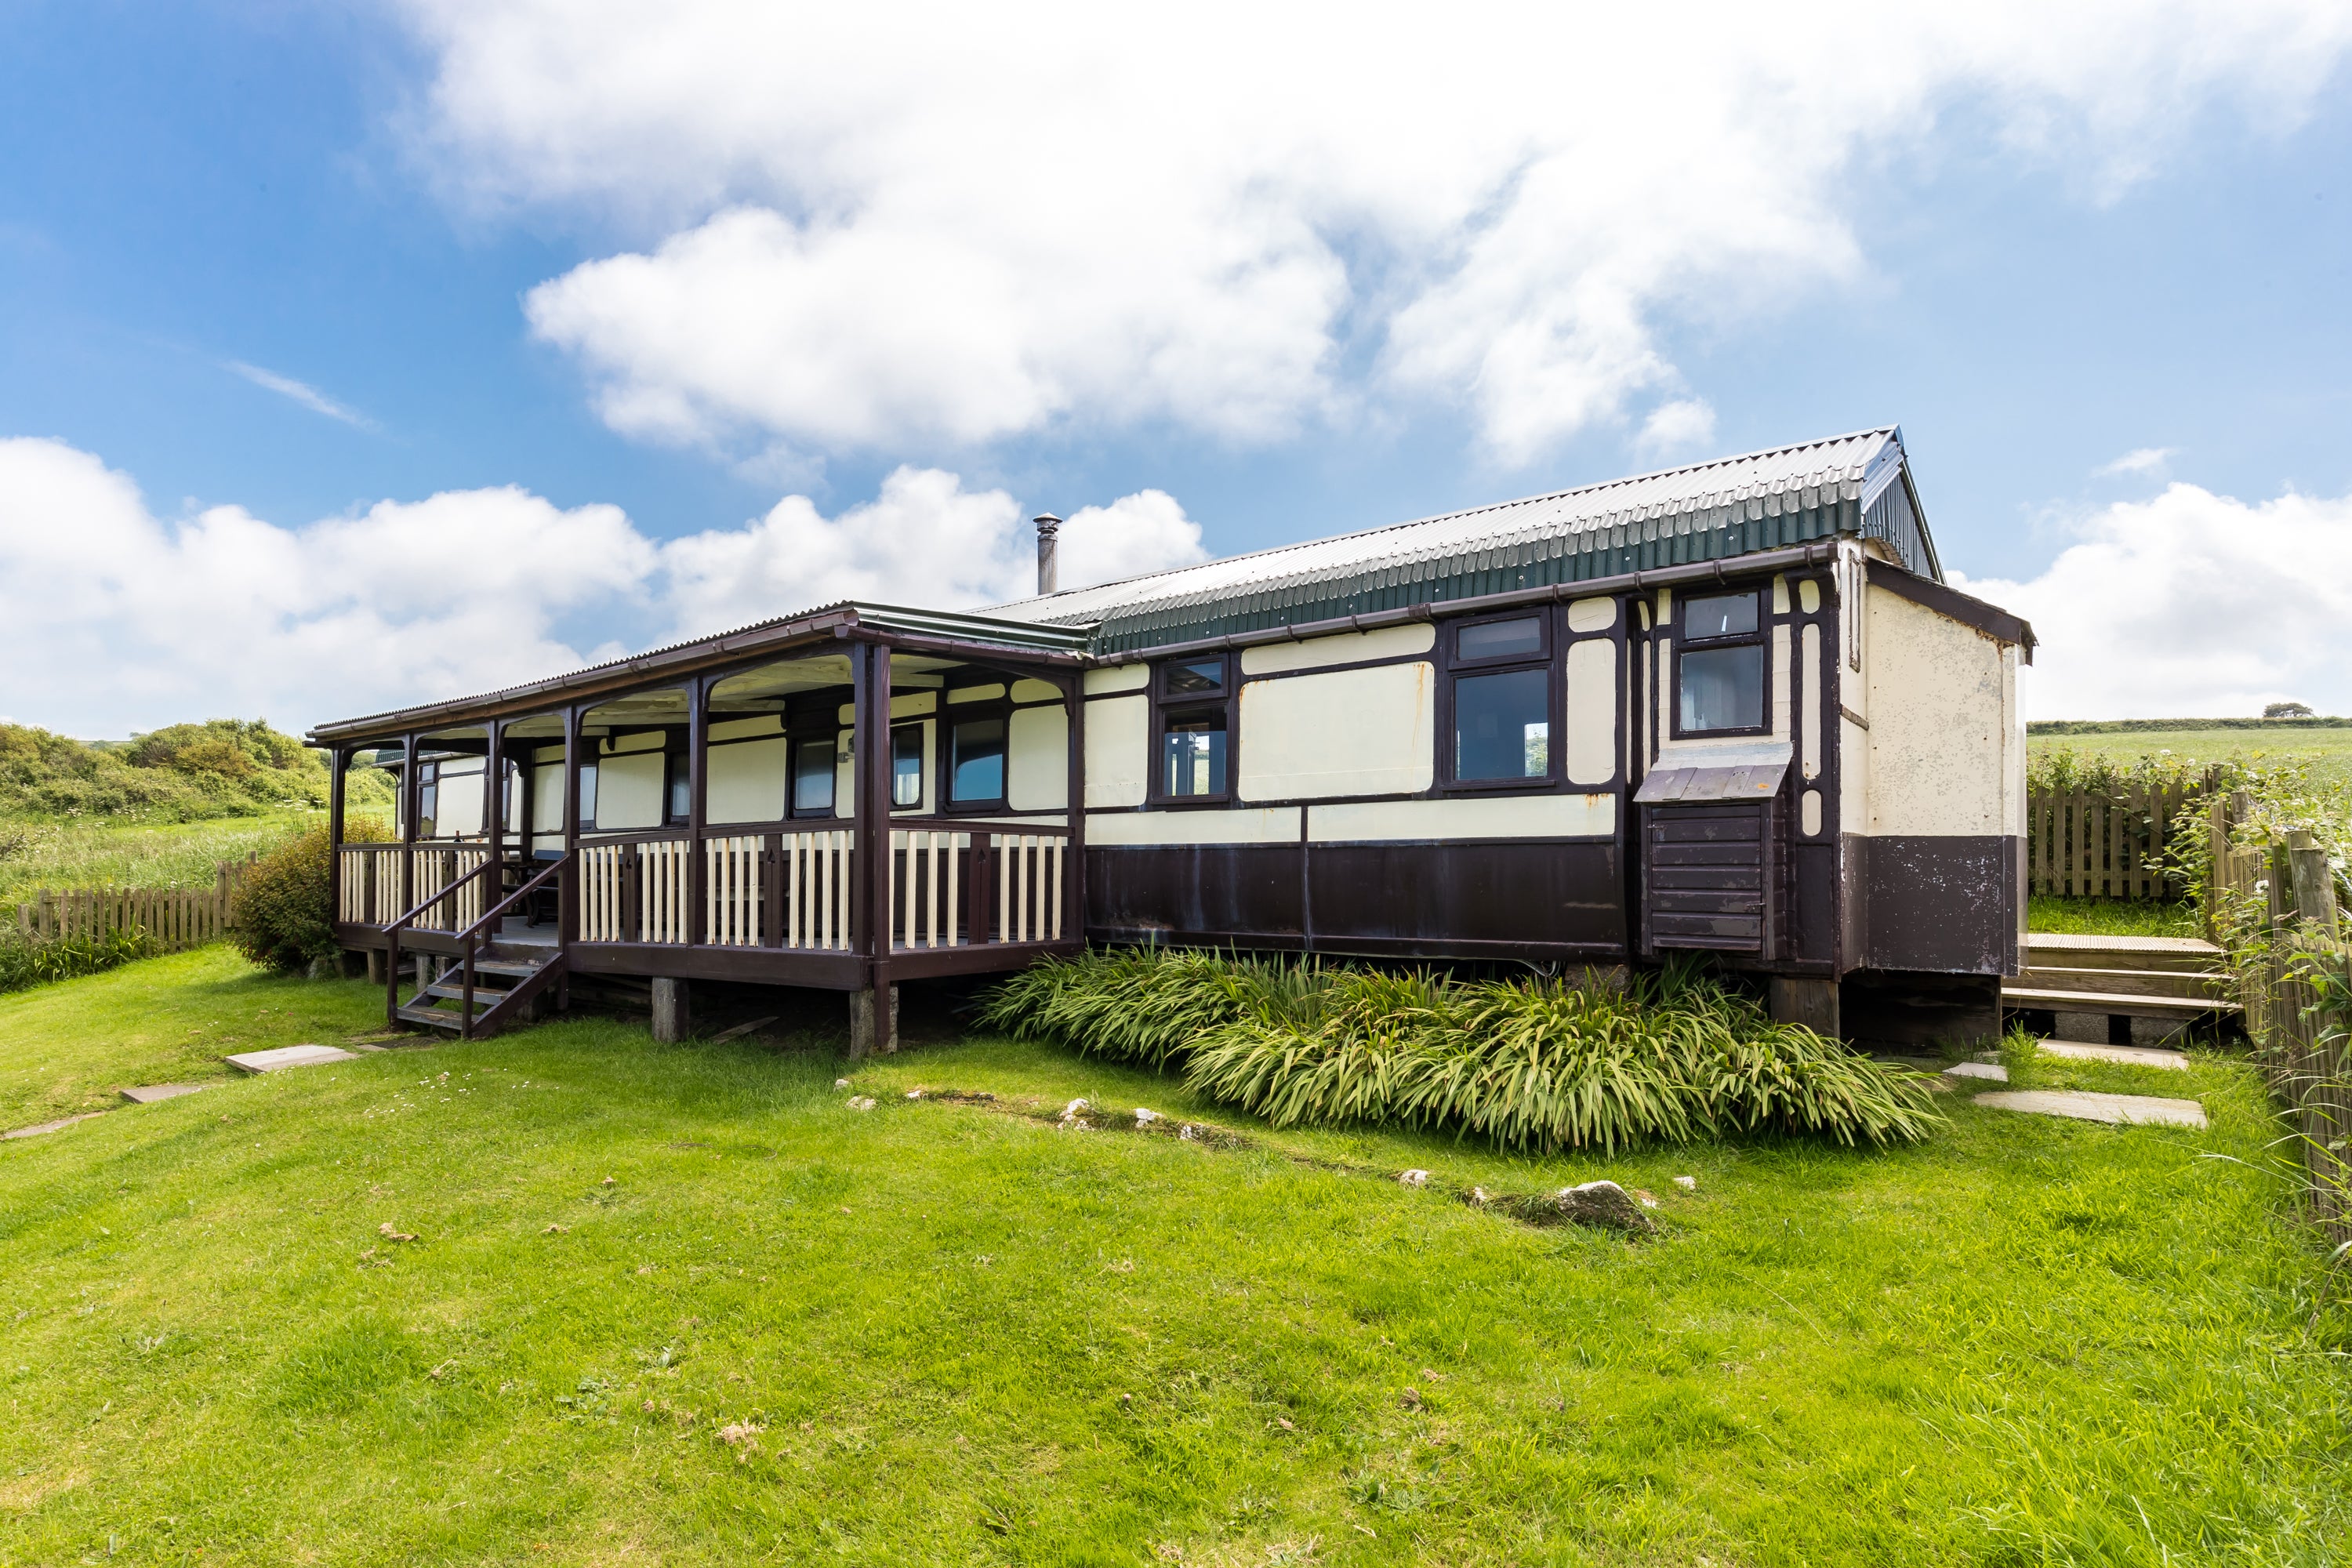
x=2176 y=954
x=2186 y=986
x=429 y=1018
x=2111 y=1002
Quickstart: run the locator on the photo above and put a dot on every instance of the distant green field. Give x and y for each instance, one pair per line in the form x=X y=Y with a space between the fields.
x=2328 y=753
x=36 y=855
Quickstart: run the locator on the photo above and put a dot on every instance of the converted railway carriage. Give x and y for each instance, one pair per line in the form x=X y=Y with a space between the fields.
x=1731 y=708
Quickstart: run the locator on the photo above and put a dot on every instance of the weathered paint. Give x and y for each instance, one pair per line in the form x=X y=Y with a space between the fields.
x=1591 y=615
x=1037 y=760
x=1940 y=713
x=1117 y=678
x=1589 y=738
x=1259 y=825
x=1477 y=816
x=1119 y=749
x=1779 y=593
x=1351 y=731
x=745 y=781
x=1349 y=647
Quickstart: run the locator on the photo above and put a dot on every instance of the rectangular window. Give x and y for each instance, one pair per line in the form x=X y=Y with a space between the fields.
x=1719 y=667
x=1193 y=755
x=587 y=795
x=1502 y=726
x=681 y=790
x=906 y=766
x=1521 y=636
x=813 y=775
x=1198 y=678
x=428 y=796
x=976 y=761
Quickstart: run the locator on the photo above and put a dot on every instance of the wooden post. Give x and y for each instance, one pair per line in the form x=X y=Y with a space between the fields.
x=494 y=809
x=697 y=752
x=567 y=897
x=869 y=667
x=2314 y=887
x=1073 y=902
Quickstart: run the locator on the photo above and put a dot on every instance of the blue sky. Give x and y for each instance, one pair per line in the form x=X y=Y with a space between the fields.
x=2034 y=292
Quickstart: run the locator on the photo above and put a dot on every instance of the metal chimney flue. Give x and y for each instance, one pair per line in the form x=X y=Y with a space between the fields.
x=1049 y=528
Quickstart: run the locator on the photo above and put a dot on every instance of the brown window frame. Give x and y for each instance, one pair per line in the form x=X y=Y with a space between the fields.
x=1456 y=668
x=1761 y=639
x=1188 y=705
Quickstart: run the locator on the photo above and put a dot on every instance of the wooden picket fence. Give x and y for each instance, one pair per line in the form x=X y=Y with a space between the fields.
x=2103 y=844
x=2275 y=908
x=175 y=919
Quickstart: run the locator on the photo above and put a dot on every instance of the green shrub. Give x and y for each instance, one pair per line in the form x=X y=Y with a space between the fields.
x=1530 y=1064
x=183 y=772
x=280 y=916
x=29 y=964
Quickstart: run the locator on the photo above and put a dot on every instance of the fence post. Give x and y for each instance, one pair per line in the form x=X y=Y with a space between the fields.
x=2314 y=887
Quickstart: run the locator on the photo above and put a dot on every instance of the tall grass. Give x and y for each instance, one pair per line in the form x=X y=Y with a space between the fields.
x=62 y=855
x=1529 y=1064
x=25 y=965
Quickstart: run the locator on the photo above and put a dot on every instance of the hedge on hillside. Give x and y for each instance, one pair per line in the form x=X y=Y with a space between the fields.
x=280 y=915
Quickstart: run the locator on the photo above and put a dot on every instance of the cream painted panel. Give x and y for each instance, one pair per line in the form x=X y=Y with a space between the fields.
x=1808 y=596
x=1353 y=731
x=1591 y=615
x=1665 y=687
x=1035 y=691
x=1940 y=714
x=1349 y=648
x=905 y=706
x=629 y=792
x=2012 y=773
x=844 y=774
x=1589 y=742
x=1037 y=760
x=1030 y=820
x=547 y=796
x=745 y=783
x=651 y=742
x=1809 y=813
x=1117 y=678
x=977 y=693
x=1780 y=696
x=737 y=729
x=1780 y=594
x=1809 y=705
x=1266 y=825
x=458 y=803
x=1854 y=776
x=1119 y=750
x=548 y=754
x=1476 y=817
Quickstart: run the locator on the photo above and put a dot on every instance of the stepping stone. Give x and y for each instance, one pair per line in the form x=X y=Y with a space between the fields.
x=289 y=1056
x=2130 y=1056
x=151 y=1093
x=2086 y=1107
x=1992 y=1071
x=51 y=1126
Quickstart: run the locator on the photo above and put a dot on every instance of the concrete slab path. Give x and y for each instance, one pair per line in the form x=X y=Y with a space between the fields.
x=286 y=1057
x=51 y=1126
x=148 y=1094
x=2085 y=1106
x=2130 y=1056
x=1993 y=1071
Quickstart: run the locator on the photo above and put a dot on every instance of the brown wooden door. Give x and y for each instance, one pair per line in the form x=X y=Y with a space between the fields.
x=1708 y=877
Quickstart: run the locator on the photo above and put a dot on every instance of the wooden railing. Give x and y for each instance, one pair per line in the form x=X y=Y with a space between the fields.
x=953 y=883
x=2105 y=843
x=372 y=890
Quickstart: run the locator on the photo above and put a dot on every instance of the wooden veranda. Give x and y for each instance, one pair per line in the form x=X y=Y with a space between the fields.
x=503 y=901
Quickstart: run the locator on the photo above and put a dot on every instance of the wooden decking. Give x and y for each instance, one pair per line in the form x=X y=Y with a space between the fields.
x=2119 y=989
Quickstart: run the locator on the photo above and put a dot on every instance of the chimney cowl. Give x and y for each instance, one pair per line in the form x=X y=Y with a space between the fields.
x=1048 y=527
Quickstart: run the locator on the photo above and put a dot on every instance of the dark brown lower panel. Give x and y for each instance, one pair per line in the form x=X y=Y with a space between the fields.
x=1884 y=1007
x=988 y=958
x=1215 y=888
x=1370 y=946
x=1945 y=905
x=761 y=966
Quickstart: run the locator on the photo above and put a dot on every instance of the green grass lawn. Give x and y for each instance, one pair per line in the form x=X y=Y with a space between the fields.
x=2111 y=917
x=2328 y=753
x=787 y=1331
x=60 y=855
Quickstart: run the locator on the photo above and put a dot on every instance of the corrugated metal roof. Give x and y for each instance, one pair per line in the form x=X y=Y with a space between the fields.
x=1728 y=507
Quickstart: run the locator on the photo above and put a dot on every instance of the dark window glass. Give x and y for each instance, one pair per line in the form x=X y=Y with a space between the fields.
x=1719 y=616
x=1502 y=726
x=1186 y=679
x=428 y=797
x=1722 y=689
x=976 y=761
x=681 y=790
x=906 y=766
x=587 y=795
x=1193 y=755
x=1520 y=637
x=813 y=772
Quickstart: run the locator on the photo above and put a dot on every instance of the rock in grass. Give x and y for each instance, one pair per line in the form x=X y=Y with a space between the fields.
x=1687 y=1184
x=1603 y=1203
x=1145 y=1118
x=1415 y=1178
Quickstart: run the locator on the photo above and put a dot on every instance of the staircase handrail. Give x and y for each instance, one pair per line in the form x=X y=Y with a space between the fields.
x=392 y=936
x=472 y=933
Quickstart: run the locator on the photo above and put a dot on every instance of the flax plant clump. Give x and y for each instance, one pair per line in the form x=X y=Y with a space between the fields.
x=1532 y=1064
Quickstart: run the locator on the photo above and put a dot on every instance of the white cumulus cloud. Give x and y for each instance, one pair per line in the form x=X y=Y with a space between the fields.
x=901 y=225
x=119 y=620
x=2191 y=604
